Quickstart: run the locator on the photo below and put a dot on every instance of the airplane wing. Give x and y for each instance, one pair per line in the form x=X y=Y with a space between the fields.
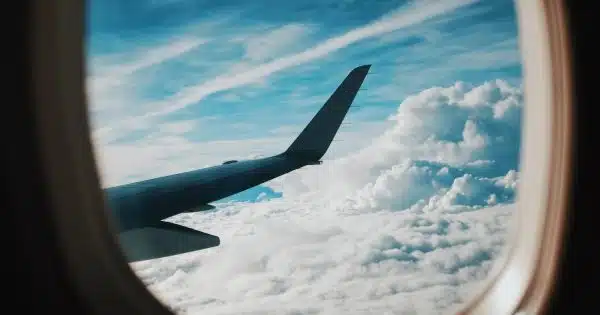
x=139 y=208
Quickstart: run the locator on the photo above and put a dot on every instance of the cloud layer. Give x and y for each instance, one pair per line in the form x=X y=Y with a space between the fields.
x=410 y=224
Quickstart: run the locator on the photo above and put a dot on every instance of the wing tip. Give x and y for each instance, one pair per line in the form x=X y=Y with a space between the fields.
x=362 y=69
x=314 y=140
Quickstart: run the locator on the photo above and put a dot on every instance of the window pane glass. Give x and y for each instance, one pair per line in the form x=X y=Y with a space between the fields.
x=411 y=204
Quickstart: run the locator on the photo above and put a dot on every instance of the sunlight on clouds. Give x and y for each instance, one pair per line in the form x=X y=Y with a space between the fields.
x=451 y=125
x=410 y=224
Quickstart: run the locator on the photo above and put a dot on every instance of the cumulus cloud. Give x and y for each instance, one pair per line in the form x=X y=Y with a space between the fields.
x=466 y=129
x=410 y=224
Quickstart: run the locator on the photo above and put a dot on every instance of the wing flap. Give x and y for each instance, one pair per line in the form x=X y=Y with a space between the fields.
x=163 y=239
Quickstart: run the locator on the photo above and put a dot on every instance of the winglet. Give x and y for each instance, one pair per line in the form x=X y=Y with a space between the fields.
x=314 y=140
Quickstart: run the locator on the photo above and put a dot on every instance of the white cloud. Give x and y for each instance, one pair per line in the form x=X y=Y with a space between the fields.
x=110 y=75
x=275 y=42
x=178 y=127
x=111 y=88
x=454 y=125
x=402 y=226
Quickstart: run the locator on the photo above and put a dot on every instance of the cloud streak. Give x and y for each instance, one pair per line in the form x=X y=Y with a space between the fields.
x=405 y=17
x=282 y=39
x=111 y=76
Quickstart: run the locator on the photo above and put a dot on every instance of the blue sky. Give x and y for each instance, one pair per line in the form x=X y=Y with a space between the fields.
x=210 y=74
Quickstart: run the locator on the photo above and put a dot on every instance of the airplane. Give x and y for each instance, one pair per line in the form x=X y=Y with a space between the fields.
x=140 y=207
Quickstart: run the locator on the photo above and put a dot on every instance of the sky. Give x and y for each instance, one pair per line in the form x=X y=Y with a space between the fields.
x=413 y=202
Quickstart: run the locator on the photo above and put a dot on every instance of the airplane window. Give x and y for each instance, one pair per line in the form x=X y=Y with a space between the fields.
x=311 y=156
